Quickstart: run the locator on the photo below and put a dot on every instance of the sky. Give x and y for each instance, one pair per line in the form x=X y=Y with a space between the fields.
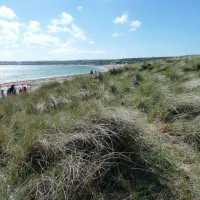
x=98 y=29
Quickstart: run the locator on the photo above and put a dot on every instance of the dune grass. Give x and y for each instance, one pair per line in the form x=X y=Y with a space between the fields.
x=129 y=133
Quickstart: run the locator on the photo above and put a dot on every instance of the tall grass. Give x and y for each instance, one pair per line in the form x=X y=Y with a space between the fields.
x=98 y=138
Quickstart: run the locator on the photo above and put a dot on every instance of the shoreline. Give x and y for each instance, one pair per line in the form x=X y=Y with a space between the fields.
x=36 y=83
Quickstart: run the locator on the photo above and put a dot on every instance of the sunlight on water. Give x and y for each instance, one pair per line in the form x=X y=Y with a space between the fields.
x=15 y=73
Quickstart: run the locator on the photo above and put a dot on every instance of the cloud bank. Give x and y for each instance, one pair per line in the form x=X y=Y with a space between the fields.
x=7 y=13
x=17 y=37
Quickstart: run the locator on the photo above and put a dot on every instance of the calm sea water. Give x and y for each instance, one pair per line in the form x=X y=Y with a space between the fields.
x=15 y=73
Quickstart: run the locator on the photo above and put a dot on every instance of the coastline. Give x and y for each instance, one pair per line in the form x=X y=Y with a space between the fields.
x=36 y=83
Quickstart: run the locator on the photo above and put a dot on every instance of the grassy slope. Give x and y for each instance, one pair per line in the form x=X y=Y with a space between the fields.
x=132 y=133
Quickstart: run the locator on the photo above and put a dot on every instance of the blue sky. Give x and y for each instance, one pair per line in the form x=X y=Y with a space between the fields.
x=98 y=29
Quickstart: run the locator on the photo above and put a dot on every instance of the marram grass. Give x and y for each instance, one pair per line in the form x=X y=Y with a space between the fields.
x=130 y=133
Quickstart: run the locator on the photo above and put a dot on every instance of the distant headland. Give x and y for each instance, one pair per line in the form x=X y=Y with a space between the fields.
x=82 y=62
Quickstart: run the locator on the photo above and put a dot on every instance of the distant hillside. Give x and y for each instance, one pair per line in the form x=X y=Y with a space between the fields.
x=126 y=134
x=80 y=62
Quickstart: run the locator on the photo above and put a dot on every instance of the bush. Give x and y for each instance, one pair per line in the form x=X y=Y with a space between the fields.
x=146 y=66
x=115 y=71
x=195 y=67
x=113 y=88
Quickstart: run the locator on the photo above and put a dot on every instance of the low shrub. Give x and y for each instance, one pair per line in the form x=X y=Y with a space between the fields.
x=115 y=71
x=146 y=66
x=195 y=67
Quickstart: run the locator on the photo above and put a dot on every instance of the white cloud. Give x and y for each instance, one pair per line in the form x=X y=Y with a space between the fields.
x=78 y=33
x=9 y=32
x=56 y=29
x=121 y=20
x=124 y=19
x=73 y=30
x=60 y=25
x=40 y=40
x=65 y=24
x=135 y=24
x=12 y=25
x=33 y=26
x=79 y=8
x=7 y=13
x=18 y=40
x=8 y=37
x=64 y=19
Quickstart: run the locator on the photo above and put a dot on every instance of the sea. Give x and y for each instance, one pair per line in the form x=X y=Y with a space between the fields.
x=19 y=73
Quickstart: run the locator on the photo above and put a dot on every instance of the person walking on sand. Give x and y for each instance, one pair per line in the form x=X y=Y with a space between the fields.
x=2 y=94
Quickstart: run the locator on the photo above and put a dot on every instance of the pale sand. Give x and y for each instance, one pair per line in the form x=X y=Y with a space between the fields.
x=35 y=84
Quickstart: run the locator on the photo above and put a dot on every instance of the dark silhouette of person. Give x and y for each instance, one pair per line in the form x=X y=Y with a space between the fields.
x=11 y=90
x=24 y=89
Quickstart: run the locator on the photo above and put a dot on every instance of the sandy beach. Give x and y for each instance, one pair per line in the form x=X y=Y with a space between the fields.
x=36 y=83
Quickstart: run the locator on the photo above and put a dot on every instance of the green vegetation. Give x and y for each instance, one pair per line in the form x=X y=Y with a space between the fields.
x=80 y=62
x=129 y=133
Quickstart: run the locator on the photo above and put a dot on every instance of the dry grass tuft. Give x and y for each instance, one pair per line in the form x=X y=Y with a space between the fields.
x=99 y=157
x=182 y=109
x=194 y=140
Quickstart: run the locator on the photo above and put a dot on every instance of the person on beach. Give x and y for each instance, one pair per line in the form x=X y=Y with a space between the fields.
x=11 y=90
x=20 y=91
x=24 y=89
x=2 y=94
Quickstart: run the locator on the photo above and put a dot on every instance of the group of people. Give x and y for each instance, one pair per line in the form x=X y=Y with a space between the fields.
x=93 y=72
x=22 y=90
x=11 y=90
x=97 y=75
